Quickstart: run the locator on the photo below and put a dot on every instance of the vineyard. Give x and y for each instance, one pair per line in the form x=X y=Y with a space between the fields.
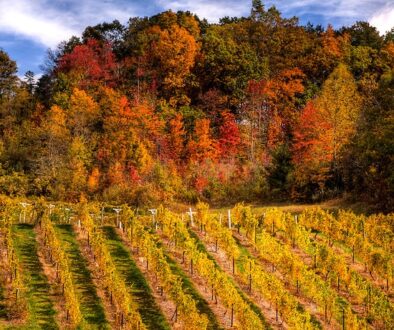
x=97 y=266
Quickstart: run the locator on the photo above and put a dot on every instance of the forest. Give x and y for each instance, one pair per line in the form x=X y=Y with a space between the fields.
x=171 y=108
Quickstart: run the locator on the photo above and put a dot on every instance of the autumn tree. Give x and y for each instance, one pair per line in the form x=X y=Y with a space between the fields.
x=312 y=149
x=8 y=76
x=339 y=102
x=89 y=64
x=324 y=128
x=202 y=147
x=176 y=137
x=83 y=114
x=120 y=148
x=229 y=136
x=270 y=110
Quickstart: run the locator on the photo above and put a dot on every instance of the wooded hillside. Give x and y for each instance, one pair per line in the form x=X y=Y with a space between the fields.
x=172 y=108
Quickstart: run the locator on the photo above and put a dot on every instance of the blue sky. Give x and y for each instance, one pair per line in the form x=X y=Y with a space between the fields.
x=29 y=27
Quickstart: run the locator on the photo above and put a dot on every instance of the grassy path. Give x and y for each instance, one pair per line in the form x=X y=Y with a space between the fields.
x=91 y=306
x=41 y=311
x=150 y=312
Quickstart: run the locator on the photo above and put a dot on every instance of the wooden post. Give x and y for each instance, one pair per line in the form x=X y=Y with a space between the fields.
x=176 y=313
x=232 y=315
x=325 y=312
x=250 y=276
x=191 y=216
x=353 y=253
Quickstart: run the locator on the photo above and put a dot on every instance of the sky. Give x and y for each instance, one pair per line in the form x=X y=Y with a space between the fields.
x=28 y=28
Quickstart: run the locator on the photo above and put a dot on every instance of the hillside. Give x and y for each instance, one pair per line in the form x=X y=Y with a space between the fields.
x=171 y=108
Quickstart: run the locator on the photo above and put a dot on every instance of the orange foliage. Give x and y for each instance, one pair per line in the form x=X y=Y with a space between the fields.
x=93 y=180
x=229 y=136
x=331 y=44
x=115 y=174
x=203 y=146
x=312 y=149
x=176 y=137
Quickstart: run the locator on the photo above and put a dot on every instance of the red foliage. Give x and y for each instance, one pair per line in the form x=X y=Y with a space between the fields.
x=93 y=62
x=312 y=149
x=200 y=183
x=310 y=136
x=229 y=136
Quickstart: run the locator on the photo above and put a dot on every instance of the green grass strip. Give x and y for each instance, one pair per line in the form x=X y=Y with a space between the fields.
x=150 y=312
x=41 y=310
x=91 y=306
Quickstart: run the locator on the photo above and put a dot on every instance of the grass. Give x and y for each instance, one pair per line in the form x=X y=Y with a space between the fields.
x=252 y=305
x=41 y=310
x=91 y=306
x=150 y=312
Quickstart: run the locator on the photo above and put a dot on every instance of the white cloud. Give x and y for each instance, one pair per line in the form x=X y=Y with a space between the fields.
x=211 y=10
x=338 y=12
x=50 y=22
x=383 y=20
x=24 y=19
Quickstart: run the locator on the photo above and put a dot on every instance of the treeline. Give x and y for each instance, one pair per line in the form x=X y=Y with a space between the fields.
x=171 y=107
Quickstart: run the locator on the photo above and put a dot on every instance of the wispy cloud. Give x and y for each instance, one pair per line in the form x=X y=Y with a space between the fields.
x=27 y=27
x=25 y=18
x=383 y=20
x=211 y=10
x=338 y=12
x=49 y=22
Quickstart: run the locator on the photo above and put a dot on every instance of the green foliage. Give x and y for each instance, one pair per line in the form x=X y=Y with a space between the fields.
x=369 y=166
